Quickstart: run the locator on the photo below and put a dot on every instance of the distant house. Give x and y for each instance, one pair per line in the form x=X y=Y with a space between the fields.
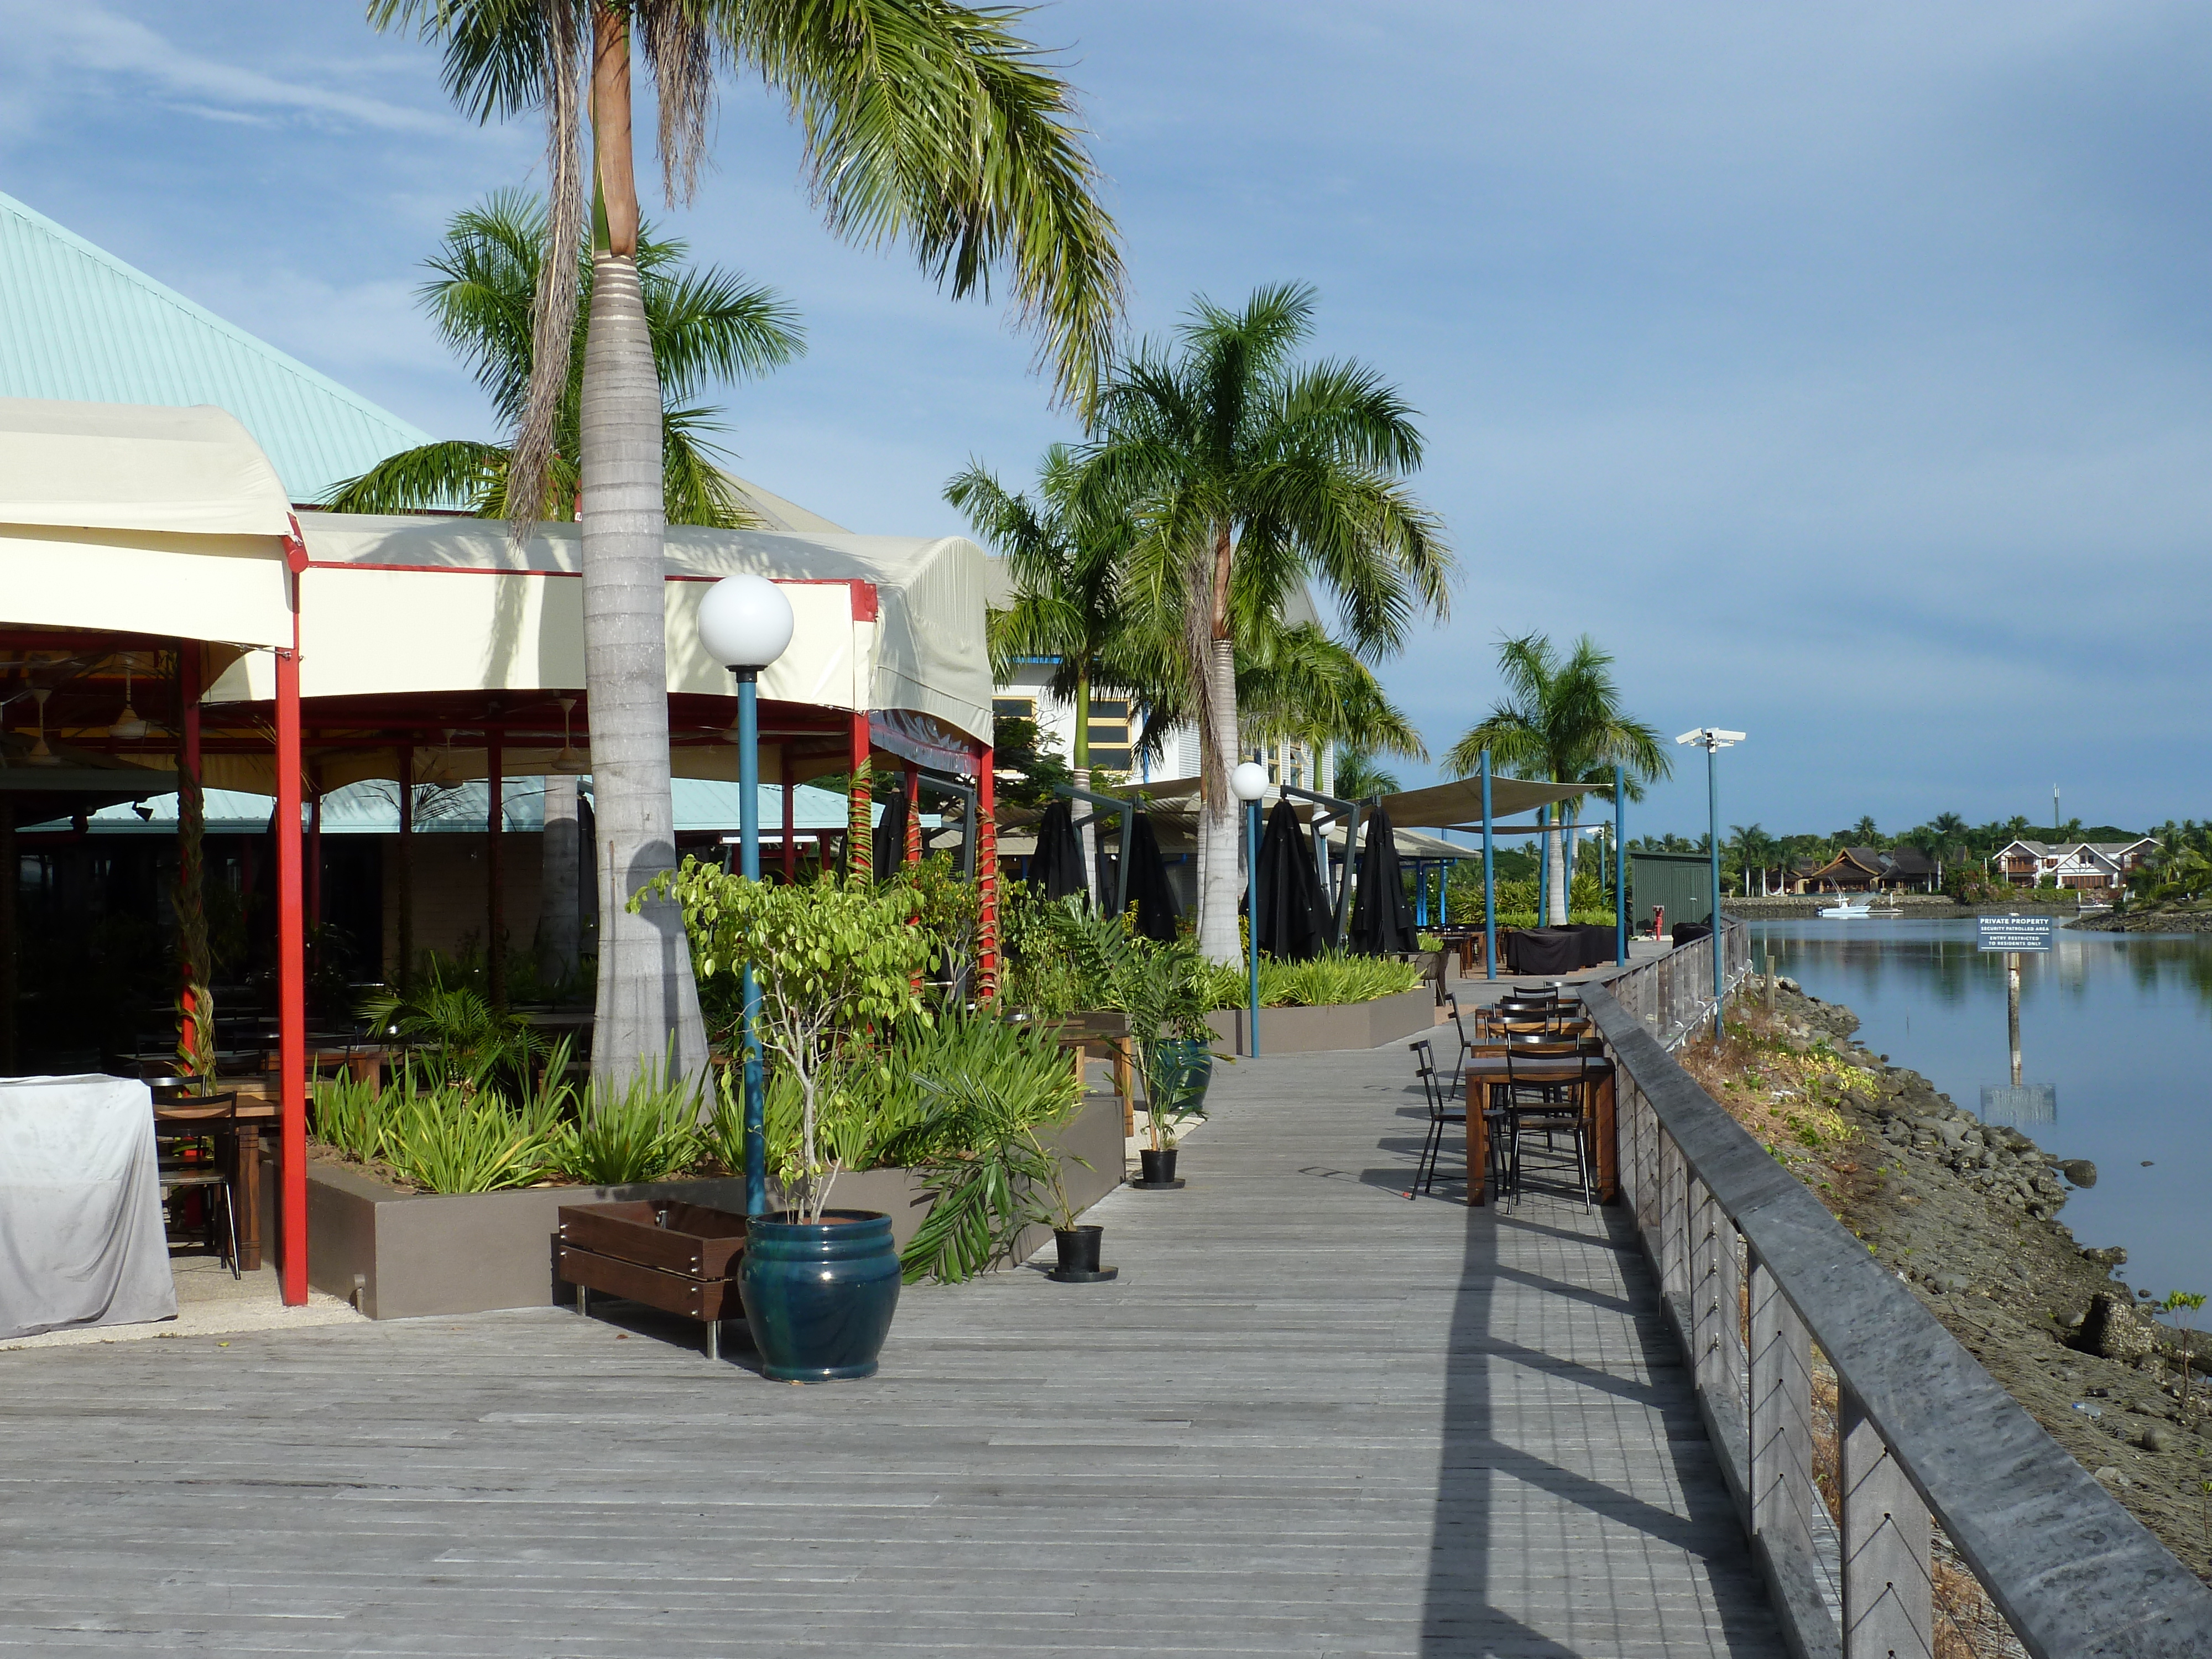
x=1872 y=869
x=2088 y=864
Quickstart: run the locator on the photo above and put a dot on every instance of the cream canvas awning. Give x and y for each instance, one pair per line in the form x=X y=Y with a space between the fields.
x=1458 y=805
x=115 y=518
x=419 y=604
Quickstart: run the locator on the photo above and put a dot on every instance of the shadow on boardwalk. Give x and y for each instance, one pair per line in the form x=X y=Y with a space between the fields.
x=1578 y=1509
x=1311 y=1418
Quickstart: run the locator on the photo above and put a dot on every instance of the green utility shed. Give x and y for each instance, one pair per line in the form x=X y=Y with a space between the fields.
x=1682 y=882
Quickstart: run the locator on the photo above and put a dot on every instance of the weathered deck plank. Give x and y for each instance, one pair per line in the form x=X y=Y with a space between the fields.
x=1311 y=1418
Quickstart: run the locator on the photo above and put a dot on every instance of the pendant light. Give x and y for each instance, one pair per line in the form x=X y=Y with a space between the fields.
x=127 y=725
x=445 y=775
x=41 y=755
x=569 y=760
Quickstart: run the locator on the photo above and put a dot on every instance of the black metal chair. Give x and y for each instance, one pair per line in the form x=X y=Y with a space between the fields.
x=175 y=1116
x=1443 y=1111
x=1551 y=1104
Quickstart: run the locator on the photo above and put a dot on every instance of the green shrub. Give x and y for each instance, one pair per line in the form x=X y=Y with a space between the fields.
x=645 y=1132
x=986 y=1087
x=450 y=1140
x=350 y=1115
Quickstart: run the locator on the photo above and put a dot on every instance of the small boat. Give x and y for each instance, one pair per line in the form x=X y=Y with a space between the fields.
x=1844 y=910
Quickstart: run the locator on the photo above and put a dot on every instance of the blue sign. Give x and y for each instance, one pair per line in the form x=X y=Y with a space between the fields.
x=2015 y=932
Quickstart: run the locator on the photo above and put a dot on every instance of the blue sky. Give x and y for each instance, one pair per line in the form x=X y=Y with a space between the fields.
x=1843 y=370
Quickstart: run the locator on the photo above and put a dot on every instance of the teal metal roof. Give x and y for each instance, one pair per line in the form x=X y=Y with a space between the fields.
x=78 y=323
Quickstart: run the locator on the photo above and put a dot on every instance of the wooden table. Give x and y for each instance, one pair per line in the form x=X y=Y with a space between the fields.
x=1486 y=1072
x=242 y=1123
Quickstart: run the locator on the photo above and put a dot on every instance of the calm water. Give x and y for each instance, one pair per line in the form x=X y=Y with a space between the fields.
x=2120 y=1024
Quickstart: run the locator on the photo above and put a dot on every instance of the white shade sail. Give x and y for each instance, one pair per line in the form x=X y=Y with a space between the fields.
x=414 y=604
x=167 y=522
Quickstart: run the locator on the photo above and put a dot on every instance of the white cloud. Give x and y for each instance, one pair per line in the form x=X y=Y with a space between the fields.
x=94 y=40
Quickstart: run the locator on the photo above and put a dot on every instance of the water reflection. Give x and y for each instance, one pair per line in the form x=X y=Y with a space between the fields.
x=2119 y=1026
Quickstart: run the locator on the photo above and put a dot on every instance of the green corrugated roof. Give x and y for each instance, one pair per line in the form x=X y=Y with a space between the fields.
x=78 y=323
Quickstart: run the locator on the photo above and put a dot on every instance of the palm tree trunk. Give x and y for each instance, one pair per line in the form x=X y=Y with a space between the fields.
x=647 y=1011
x=558 y=921
x=1555 y=913
x=1080 y=748
x=1217 y=823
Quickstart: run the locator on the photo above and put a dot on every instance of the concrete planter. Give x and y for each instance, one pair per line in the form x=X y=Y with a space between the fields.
x=1338 y=1025
x=404 y=1255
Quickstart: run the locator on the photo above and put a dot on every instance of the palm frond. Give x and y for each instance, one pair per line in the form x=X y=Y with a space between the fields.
x=934 y=124
x=457 y=473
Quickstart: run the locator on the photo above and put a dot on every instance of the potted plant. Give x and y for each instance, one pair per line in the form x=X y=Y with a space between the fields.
x=834 y=961
x=992 y=1086
x=1163 y=988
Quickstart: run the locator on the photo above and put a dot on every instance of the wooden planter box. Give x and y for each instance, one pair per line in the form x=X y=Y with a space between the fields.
x=400 y=1255
x=680 y=1258
x=1338 y=1025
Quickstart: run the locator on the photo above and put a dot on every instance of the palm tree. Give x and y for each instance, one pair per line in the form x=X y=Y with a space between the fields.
x=704 y=325
x=1252 y=473
x=1067 y=552
x=932 y=124
x=1563 y=721
x=1359 y=778
x=1752 y=846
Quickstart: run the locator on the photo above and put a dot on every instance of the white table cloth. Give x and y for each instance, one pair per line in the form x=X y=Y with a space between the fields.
x=81 y=1235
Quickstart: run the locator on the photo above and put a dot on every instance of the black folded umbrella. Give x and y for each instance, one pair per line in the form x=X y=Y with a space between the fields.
x=1381 y=919
x=1149 y=888
x=1058 y=864
x=1294 y=918
x=890 y=836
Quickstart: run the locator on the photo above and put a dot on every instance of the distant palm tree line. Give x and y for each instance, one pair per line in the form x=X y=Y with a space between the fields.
x=1947 y=838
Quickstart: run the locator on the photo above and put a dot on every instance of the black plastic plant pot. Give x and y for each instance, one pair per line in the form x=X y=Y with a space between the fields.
x=819 y=1295
x=1158 y=1167
x=1078 y=1247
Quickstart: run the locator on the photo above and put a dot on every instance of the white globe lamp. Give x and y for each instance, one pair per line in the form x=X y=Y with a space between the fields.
x=744 y=622
x=1249 y=780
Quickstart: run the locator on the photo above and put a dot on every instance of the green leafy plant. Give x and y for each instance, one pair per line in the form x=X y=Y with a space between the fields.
x=1164 y=989
x=469 y=1040
x=646 y=1131
x=991 y=1085
x=836 y=962
x=2187 y=1304
x=447 y=1139
x=350 y=1115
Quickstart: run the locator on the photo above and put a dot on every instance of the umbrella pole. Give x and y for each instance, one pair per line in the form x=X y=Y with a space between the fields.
x=1252 y=923
x=1489 y=881
x=1620 y=867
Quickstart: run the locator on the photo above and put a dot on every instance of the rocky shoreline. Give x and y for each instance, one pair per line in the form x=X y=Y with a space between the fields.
x=1919 y=906
x=2159 y=920
x=1967 y=1213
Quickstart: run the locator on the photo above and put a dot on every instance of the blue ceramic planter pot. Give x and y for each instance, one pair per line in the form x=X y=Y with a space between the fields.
x=1182 y=1067
x=819 y=1296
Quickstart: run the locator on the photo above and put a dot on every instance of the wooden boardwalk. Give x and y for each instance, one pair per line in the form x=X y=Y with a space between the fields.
x=1312 y=1418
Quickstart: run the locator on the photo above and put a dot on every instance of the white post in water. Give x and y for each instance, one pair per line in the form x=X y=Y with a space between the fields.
x=2012 y=1010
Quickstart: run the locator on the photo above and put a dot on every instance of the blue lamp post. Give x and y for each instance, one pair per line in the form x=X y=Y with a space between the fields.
x=745 y=621
x=1712 y=740
x=1619 y=867
x=1249 y=780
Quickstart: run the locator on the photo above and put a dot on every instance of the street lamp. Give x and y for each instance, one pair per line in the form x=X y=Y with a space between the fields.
x=746 y=622
x=1712 y=740
x=1249 y=780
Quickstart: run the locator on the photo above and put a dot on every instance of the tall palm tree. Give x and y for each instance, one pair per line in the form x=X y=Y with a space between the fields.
x=1253 y=473
x=1067 y=552
x=704 y=325
x=923 y=121
x=1753 y=845
x=1561 y=720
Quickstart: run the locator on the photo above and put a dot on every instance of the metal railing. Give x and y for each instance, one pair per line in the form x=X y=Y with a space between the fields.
x=1754 y=1273
x=1673 y=994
